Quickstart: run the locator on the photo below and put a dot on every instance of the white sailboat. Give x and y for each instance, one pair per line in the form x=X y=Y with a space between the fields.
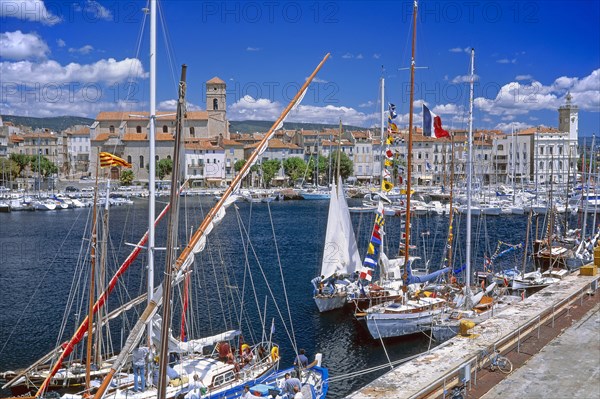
x=340 y=255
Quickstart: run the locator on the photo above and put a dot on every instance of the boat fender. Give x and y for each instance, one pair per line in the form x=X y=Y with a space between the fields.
x=274 y=353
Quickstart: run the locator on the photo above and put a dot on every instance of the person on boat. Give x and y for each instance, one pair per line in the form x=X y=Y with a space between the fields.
x=247 y=355
x=317 y=283
x=196 y=389
x=246 y=394
x=289 y=384
x=224 y=351
x=138 y=359
x=301 y=360
x=297 y=393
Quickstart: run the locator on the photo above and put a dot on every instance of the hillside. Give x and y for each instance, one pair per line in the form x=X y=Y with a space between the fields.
x=59 y=123
x=56 y=123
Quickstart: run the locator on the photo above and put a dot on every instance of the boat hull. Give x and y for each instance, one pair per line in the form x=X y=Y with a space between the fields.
x=325 y=303
x=385 y=325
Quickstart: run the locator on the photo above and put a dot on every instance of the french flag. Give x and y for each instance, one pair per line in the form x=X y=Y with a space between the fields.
x=433 y=124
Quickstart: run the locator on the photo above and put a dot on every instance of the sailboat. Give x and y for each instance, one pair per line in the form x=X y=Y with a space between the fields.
x=415 y=311
x=340 y=254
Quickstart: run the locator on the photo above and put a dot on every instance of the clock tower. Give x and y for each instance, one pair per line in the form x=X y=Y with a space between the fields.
x=568 y=118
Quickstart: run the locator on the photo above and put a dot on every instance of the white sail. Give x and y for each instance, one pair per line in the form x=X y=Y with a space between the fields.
x=340 y=254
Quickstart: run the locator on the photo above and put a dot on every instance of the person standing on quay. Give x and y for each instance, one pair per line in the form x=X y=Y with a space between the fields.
x=138 y=359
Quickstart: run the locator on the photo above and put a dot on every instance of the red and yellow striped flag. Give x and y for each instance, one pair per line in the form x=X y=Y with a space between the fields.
x=107 y=159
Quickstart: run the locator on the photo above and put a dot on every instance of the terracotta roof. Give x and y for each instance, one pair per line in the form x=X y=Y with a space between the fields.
x=216 y=80
x=201 y=145
x=85 y=131
x=144 y=137
x=360 y=135
x=537 y=129
x=143 y=116
x=101 y=137
x=15 y=139
x=277 y=144
x=232 y=143
x=43 y=135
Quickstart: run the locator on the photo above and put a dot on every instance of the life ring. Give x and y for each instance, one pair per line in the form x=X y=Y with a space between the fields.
x=274 y=353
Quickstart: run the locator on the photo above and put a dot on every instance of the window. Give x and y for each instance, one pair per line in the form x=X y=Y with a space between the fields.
x=168 y=157
x=541 y=165
x=215 y=104
x=500 y=147
x=157 y=158
x=192 y=131
x=141 y=161
x=138 y=129
x=165 y=129
x=128 y=158
x=560 y=150
x=193 y=162
x=542 y=150
x=550 y=150
x=111 y=129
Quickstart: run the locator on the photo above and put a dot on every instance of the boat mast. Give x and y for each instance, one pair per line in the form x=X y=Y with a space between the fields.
x=514 y=151
x=88 y=357
x=451 y=215
x=152 y=167
x=171 y=239
x=587 y=190
x=469 y=182
x=409 y=147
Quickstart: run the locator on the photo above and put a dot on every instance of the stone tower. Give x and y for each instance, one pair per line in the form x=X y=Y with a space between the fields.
x=216 y=106
x=568 y=118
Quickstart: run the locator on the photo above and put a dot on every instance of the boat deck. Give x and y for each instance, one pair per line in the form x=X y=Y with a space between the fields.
x=431 y=373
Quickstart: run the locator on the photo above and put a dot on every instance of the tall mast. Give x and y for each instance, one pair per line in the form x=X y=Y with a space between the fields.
x=382 y=129
x=469 y=181
x=171 y=240
x=88 y=357
x=451 y=215
x=152 y=161
x=514 y=168
x=409 y=145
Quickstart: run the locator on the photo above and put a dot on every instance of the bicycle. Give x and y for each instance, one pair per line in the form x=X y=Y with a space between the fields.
x=497 y=361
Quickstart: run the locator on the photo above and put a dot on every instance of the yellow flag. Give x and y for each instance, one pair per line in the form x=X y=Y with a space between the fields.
x=386 y=186
x=107 y=159
x=371 y=249
x=387 y=162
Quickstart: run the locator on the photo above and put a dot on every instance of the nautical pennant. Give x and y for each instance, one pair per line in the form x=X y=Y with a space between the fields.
x=386 y=186
x=366 y=274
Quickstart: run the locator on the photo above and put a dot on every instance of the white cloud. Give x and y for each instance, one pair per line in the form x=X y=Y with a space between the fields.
x=367 y=104
x=252 y=48
x=359 y=57
x=460 y=50
x=317 y=80
x=95 y=10
x=516 y=98
x=171 y=105
x=60 y=43
x=464 y=79
x=19 y=46
x=29 y=10
x=82 y=50
x=448 y=109
x=347 y=56
x=507 y=61
x=51 y=72
x=508 y=127
x=377 y=56
x=248 y=108
x=523 y=77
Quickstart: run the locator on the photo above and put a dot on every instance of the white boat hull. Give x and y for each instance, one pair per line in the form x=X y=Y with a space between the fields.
x=326 y=303
x=385 y=325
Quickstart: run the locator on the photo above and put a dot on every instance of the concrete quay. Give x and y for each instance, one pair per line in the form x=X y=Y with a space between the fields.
x=568 y=367
x=513 y=330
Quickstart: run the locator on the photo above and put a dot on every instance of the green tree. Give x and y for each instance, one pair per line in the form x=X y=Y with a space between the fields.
x=21 y=160
x=239 y=164
x=346 y=164
x=269 y=169
x=164 y=167
x=43 y=166
x=294 y=168
x=126 y=177
x=9 y=170
x=323 y=168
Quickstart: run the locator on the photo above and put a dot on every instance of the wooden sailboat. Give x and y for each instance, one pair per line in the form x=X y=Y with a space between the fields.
x=340 y=254
x=407 y=315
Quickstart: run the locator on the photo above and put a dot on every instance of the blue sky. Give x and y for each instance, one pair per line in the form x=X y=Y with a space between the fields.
x=81 y=57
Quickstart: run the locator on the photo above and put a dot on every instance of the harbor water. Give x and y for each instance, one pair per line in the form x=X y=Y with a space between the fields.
x=276 y=247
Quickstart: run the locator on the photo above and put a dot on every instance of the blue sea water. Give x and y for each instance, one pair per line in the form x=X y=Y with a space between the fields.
x=255 y=245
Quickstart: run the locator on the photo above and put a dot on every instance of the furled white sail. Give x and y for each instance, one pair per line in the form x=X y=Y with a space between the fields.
x=340 y=254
